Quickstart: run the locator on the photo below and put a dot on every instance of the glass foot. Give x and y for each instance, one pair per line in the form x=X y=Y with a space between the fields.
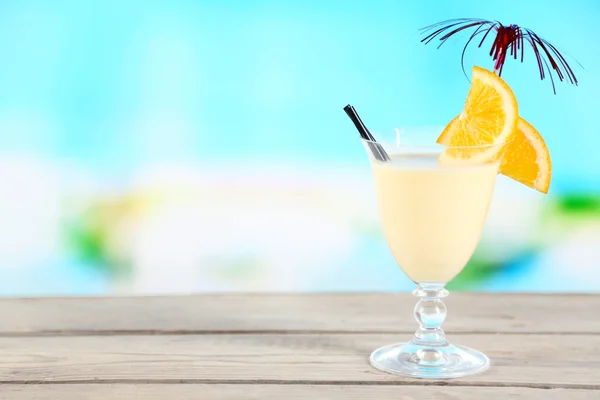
x=436 y=362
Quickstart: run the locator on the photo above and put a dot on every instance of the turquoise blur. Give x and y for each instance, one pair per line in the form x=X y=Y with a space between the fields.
x=98 y=93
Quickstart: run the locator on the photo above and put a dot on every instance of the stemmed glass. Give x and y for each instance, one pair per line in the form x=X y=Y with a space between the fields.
x=432 y=203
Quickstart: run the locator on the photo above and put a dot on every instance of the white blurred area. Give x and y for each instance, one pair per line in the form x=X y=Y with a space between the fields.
x=211 y=228
x=237 y=225
x=183 y=228
x=243 y=227
x=30 y=214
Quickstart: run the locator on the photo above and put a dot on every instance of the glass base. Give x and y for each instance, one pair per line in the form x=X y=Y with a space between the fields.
x=429 y=362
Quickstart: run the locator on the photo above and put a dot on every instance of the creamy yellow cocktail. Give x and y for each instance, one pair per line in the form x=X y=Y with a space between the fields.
x=432 y=214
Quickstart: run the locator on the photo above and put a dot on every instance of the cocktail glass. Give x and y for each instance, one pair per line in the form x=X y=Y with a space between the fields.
x=432 y=203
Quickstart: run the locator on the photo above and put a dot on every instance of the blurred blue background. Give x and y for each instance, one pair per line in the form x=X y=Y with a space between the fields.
x=200 y=146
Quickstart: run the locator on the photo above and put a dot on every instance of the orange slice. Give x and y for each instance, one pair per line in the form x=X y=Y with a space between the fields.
x=526 y=158
x=489 y=116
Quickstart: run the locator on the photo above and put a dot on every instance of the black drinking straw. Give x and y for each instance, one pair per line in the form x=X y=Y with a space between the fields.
x=377 y=150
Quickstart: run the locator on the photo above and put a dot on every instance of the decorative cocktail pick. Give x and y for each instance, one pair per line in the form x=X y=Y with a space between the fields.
x=376 y=149
x=508 y=40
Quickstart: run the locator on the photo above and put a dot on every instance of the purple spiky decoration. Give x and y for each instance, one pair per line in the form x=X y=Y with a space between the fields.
x=510 y=40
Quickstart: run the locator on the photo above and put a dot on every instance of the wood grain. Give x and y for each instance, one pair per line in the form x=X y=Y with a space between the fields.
x=543 y=361
x=291 y=392
x=493 y=313
x=292 y=346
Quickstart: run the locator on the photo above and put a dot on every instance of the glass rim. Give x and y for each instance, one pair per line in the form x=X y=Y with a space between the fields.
x=437 y=146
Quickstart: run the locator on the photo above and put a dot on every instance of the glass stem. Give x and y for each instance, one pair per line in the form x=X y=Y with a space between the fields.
x=430 y=313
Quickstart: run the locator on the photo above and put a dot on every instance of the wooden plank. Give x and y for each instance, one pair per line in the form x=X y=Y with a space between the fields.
x=291 y=392
x=298 y=313
x=544 y=361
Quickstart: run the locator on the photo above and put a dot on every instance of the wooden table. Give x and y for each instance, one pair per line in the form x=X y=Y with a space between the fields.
x=289 y=346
